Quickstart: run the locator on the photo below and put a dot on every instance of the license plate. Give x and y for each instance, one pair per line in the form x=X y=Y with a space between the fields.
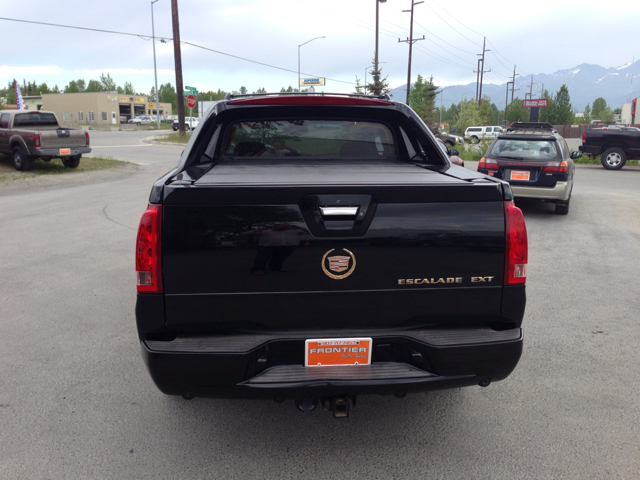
x=518 y=175
x=337 y=351
x=65 y=151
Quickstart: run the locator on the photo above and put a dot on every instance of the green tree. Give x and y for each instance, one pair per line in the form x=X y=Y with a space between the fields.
x=261 y=90
x=108 y=84
x=360 y=89
x=94 y=86
x=422 y=99
x=378 y=85
x=167 y=94
x=516 y=112
x=467 y=115
x=548 y=113
x=586 y=116
x=243 y=90
x=82 y=85
x=484 y=111
x=599 y=104
x=128 y=89
x=11 y=93
x=72 y=87
x=564 y=112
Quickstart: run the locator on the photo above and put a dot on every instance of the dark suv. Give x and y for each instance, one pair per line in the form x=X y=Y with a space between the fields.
x=535 y=160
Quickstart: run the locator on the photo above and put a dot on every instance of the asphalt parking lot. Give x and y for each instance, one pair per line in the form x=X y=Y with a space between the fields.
x=77 y=402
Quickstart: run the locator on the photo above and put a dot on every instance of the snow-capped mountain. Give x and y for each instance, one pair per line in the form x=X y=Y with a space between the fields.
x=617 y=85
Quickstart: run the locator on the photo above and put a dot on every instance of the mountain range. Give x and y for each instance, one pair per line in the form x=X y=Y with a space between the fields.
x=617 y=85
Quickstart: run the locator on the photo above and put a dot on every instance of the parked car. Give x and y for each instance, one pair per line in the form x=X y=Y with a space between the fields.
x=452 y=140
x=475 y=134
x=451 y=153
x=142 y=120
x=190 y=123
x=535 y=160
x=28 y=135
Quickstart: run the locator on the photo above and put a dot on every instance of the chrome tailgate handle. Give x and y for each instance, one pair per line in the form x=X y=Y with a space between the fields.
x=338 y=211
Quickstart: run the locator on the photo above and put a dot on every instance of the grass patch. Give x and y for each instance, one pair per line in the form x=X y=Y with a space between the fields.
x=175 y=138
x=39 y=167
x=472 y=152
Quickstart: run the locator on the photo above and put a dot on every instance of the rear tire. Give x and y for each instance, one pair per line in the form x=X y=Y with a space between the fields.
x=613 y=159
x=21 y=160
x=474 y=140
x=71 y=162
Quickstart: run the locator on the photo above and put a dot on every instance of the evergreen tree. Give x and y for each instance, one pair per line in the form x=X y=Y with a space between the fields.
x=94 y=86
x=484 y=111
x=378 y=85
x=422 y=99
x=548 y=113
x=586 y=116
x=564 y=112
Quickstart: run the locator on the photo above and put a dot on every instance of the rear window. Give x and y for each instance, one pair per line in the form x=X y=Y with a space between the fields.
x=474 y=129
x=309 y=138
x=525 y=149
x=35 y=120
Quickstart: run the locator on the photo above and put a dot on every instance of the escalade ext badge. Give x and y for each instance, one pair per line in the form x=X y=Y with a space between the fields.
x=339 y=264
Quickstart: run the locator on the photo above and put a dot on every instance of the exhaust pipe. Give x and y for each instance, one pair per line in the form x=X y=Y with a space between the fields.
x=307 y=404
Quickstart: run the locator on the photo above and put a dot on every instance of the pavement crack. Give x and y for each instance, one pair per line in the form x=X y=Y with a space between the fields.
x=106 y=215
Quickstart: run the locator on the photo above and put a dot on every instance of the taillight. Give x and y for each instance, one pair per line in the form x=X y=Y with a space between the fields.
x=584 y=137
x=87 y=137
x=557 y=167
x=148 y=258
x=36 y=140
x=516 y=251
x=488 y=164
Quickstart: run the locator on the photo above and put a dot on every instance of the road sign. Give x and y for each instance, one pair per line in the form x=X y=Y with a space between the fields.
x=191 y=101
x=193 y=90
x=312 y=81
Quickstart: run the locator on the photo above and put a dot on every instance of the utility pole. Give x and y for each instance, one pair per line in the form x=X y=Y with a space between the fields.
x=506 y=104
x=477 y=72
x=410 y=41
x=178 y=61
x=530 y=90
x=513 y=82
x=481 y=71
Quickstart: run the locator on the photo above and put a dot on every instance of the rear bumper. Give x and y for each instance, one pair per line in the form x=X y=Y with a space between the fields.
x=55 y=152
x=561 y=191
x=272 y=366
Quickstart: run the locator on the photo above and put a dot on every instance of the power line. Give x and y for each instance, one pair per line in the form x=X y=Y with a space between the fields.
x=456 y=30
x=146 y=37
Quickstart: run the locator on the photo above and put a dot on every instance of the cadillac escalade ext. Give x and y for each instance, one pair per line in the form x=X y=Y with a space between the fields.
x=318 y=247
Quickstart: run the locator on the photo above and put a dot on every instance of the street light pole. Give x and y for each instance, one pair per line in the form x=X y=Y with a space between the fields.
x=155 y=70
x=378 y=2
x=299 y=57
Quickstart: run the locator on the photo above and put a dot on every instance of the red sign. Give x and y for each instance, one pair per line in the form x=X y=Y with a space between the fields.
x=191 y=101
x=535 y=103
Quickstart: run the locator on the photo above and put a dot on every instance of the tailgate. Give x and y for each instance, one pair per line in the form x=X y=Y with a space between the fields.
x=361 y=256
x=62 y=138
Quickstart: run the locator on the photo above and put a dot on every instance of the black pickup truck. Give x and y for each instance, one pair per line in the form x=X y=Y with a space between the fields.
x=614 y=145
x=319 y=247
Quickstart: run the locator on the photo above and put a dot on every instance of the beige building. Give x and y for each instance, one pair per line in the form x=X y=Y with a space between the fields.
x=99 y=108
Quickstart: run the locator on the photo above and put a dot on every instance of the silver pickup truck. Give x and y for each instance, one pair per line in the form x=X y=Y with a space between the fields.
x=28 y=135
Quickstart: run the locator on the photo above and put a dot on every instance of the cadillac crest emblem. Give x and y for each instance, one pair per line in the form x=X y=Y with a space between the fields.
x=338 y=266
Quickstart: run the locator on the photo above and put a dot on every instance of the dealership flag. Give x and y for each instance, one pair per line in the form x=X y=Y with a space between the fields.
x=19 y=100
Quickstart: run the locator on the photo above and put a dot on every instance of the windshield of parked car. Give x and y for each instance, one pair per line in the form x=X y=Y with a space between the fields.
x=33 y=119
x=309 y=138
x=525 y=149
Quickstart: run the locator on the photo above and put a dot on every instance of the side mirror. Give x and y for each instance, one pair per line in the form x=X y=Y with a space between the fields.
x=453 y=151
x=575 y=155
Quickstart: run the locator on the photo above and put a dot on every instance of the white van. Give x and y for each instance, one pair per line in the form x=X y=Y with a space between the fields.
x=475 y=134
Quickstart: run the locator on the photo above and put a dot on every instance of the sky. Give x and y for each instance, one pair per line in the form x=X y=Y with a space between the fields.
x=256 y=43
